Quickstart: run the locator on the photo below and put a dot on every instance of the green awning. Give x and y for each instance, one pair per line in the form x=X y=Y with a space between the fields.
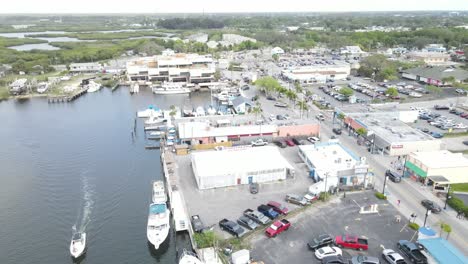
x=416 y=169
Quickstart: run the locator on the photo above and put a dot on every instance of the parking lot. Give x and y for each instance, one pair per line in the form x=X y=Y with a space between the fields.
x=337 y=217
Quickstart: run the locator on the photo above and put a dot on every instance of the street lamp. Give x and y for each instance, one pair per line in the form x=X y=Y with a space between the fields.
x=384 y=183
x=428 y=212
x=447 y=197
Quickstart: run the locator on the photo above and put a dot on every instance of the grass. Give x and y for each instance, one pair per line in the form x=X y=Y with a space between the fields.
x=380 y=196
x=456 y=134
x=460 y=187
x=4 y=93
x=413 y=226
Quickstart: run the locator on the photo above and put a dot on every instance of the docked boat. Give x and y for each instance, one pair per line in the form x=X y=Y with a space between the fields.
x=158 y=224
x=93 y=87
x=78 y=244
x=211 y=110
x=170 y=88
x=42 y=87
x=156 y=134
x=188 y=257
x=155 y=127
x=153 y=120
x=134 y=88
x=200 y=111
x=159 y=193
x=148 y=113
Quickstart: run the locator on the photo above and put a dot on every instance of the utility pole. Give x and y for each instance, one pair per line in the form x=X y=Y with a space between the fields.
x=428 y=212
x=384 y=183
x=447 y=197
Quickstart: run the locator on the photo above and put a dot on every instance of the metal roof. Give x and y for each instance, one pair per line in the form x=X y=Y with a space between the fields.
x=439 y=72
x=443 y=251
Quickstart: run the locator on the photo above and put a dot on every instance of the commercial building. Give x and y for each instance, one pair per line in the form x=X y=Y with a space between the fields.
x=334 y=162
x=388 y=133
x=434 y=75
x=169 y=67
x=352 y=51
x=435 y=48
x=443 y=251
x=320 y=72
x=430 y=58
x=89 y=67
x=442 y=167
x=214 y=169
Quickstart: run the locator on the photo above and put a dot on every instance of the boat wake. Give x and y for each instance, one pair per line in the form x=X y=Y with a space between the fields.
x=84 y=215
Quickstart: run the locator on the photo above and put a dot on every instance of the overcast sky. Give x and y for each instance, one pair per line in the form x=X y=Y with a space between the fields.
x=198 y=6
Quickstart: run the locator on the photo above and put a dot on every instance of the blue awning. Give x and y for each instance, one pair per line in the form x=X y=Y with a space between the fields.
x=443 y=251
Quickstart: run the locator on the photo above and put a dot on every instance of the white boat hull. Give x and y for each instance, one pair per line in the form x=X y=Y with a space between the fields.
x=78 y=248
x=147 y=113
x=156 y=238
x=175 y=91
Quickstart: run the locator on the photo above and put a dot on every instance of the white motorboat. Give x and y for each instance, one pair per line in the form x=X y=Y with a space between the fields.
x=158 y=224
x=78 y=244
x=159 y=194
x=211 y=111
x=200 y=111
x=93 y=87
x=188 y=257
x=157 y=134
x=170 y=88
x=42 y=87
x=153 y=120
x=135 y=88
x=148 y=113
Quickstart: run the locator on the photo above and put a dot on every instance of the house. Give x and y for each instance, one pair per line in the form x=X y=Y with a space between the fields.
x=88 y=67
x=430 y=58
x=434 y=75
x=435 y=48
x=277 y=51
x=242 y=105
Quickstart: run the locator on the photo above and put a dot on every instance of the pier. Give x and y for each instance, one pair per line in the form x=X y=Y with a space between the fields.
x=67 y=98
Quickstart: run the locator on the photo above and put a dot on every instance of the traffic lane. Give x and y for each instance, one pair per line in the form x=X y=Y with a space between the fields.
x=405 y=192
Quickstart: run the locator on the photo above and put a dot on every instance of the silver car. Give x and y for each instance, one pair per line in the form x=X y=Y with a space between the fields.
x=392 y=257
x=364 y=260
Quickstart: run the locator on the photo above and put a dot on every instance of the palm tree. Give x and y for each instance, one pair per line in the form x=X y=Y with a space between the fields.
x=257 y=109
x=303 y=107
x=173 y=111
x=291 y=95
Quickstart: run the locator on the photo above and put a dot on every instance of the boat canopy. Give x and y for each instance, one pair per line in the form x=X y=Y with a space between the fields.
x=157 y=208
x=76 y=236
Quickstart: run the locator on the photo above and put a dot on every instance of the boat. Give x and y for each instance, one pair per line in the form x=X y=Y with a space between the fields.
x=211 y=110
x=42 y=87
x=78 y=244
x=200 y=111
x=93 y=87
x=159 y=194
x=157 y=134
x=153 y=120
x=188 y=257
x=148 y=113
x=155 y=127
x=158 y=224
x=170 y=88
x=135 y=88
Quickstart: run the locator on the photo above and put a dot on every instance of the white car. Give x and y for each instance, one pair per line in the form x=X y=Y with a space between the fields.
x=259 y=142
x=313 y=139
x=460 y=126
x=327 y=251
x=392 y=257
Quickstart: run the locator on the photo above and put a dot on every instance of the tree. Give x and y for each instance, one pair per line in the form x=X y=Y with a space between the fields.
x=217 y=75
x=291 y=95
x=435 y=89
x=449 y=79
x=346 y=91
x=275 y=57
x=302 y=106
x=173 y=111
x=361 y=131
x=391 y=92
x=298 y=87
x=268 y=84
x=378 y=67
x=444 y=227
x=257 y=109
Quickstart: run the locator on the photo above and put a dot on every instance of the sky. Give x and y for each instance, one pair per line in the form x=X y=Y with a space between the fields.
x=216 y=6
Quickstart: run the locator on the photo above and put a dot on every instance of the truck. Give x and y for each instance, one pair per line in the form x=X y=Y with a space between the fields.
x=259 y=142
x=277 y=228
x=411 y=250
x=257 y=216
x=352 y=241
x=267 y=211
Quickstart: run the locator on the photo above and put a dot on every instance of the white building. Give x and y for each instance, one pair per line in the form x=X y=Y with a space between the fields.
x=334 y=162
x=352 y=50
x=277 y=50
x=320 y=72
x=214 y=169
x=190 y=68
x=88 y=67
x=236 y=39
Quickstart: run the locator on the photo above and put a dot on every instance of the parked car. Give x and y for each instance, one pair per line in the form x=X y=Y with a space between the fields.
x=313 y=139
x=392 y=257
x=441 y=107
x=247 y=222
x=465 y=142
x=253 y=188
x=431 y=206
x=278 y=207
x=393 y=176
x=281 y=104
x=352 y=241
x=256 y=216
x=437 y=135
x=295 y=199
x=271 y=98
x=259 y=142
x=364 y=260
x=296 y=141
x=289 y=142
x=320 y=241
x=320 y=117
x=231 y=227
x=280 y=144
x=337 y=131
x=328 y=251
x=277 y=228
x=334 y=260
x=411 y=250
x=197 y=223
x=267 y=211
x=245 y=87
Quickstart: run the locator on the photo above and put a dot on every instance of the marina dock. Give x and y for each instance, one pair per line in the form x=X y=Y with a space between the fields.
x=67 y=98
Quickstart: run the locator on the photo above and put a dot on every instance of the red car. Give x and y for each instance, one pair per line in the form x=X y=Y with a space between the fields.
x=277 y=227
x=278 y=207
x=289 y=142
x=351 y=241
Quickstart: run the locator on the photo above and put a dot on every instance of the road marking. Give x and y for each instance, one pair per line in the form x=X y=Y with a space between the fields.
x=357 y=219
x=356 y=203
x=404 y=227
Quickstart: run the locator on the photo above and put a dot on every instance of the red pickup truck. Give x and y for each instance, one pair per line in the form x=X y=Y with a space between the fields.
x=351 y=241
x=277 y=227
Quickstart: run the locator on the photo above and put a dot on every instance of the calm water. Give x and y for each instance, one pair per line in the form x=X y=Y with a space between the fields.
x=76 y=164
x=40 y=46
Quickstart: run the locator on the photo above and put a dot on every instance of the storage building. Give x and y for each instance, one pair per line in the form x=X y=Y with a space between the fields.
x=214 y=169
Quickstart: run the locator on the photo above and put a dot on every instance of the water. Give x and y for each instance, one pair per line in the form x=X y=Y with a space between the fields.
x=41 y=46
x=75 y=165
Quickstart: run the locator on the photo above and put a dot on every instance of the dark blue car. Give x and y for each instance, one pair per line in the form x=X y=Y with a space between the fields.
x=268 y=211
x=436 y=135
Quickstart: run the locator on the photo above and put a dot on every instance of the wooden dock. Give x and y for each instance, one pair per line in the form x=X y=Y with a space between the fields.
x=67 y=98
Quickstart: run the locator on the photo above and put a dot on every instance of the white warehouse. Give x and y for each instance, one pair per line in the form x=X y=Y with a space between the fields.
x=214 y=169
x=320 y=72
